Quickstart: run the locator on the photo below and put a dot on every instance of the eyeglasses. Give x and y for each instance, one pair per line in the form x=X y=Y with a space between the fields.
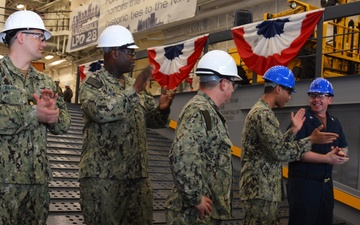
x=127 y=51
x=234 y=83
x=39 y=36
x=319 y=96
x=288 y=90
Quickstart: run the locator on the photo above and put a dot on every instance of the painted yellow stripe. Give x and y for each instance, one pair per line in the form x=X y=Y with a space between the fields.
x=339 y=195
x=236 y=151
x=172 y=124
x=347 y=198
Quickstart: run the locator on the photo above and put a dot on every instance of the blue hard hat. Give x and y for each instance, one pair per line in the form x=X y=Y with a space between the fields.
x=321 y=85
x=280 y=75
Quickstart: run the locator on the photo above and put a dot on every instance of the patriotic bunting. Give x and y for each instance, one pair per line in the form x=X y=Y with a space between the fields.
x=87 y=68
x=262 y=45
x=173 y=63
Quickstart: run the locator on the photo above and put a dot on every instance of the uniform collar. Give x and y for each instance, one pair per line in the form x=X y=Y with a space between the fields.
x=14 y=69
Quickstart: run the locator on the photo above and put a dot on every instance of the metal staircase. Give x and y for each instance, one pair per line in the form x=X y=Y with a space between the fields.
x=64 y=154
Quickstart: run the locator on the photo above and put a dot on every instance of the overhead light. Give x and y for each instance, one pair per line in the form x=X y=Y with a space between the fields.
x=20 y=6
x=57 y=62
x=293 y=5
x=49 y=57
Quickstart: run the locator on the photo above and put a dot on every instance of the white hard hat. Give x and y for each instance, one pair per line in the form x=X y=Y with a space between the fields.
x=116 y=36
x=218 y=63
x=67 y=84
x=24 y=20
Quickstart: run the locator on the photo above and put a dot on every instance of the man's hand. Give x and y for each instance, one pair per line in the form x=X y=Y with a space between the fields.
x=205 y=207
x=297 y=120
x=166 y=98
x=49 y=97
x=318 y=137
x=142 y=79
x=336 y=156
x=46 y=109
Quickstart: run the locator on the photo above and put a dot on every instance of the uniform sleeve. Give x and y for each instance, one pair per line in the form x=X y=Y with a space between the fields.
x=155 y=118
x=185 y=156
x=280 y=146
x=102 y=105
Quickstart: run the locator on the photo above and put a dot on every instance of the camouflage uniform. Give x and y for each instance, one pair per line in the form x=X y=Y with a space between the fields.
x=59 y=91
x=115 y=150
x=200 y=159
x=264 y=148
x=24 y=168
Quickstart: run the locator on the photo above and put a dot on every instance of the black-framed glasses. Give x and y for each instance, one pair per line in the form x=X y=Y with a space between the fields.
x=318 y=96
x=129 y=52
x=288 y=90
x=39 y=36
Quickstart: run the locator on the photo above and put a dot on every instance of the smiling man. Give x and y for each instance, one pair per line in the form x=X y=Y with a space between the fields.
x=265 y=147
x=310 y=185
x=29 y=108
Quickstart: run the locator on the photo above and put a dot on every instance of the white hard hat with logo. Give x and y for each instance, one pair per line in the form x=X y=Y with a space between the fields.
x=22 y=20
x=116 y=36
x=215 y=64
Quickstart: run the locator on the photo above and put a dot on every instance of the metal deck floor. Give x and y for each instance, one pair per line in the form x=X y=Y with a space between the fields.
x=64 y=154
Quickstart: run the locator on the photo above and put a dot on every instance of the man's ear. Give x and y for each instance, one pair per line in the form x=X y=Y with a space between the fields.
x=222 y=85
x=20 y=37
x=114 y=54
x=330 y=100
x=277 y=89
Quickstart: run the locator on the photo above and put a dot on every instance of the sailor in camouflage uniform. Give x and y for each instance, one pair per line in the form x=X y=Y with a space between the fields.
x=114 y=182
x=29 y=108
x=265 y=147
x=200 y=156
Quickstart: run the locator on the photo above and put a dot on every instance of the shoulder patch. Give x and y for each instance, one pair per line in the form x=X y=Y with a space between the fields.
x=93 y=82
x=207 y=118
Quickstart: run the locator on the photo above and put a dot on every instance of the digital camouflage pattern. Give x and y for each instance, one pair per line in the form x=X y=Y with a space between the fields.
x=23 y=140
x=114 y=144
x=24 y=204
x=132 y=206
x=24 y=166
x=264 y=148
x=191 y=218
x=261 y=212
x=59 y=91
x=116 y=118
x=200 y=161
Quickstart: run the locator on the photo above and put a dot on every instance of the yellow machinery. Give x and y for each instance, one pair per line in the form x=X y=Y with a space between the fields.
x=340 y=52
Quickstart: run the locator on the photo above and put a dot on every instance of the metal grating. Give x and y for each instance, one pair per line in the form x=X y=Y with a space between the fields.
x=64 y=194
x=64 y=154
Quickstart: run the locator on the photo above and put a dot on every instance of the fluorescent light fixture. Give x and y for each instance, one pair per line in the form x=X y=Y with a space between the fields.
x=20 y=6
x=49 y=57
x=57 y=62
